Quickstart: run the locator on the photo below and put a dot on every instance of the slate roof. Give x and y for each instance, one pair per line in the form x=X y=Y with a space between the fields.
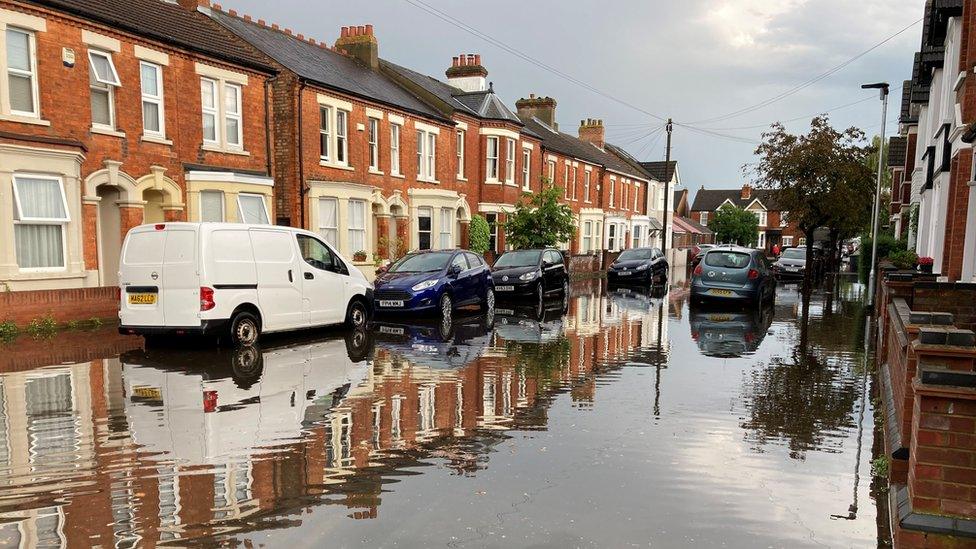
x=488 y=105
x=325 y=67
x=574 y=147
x=442 y=90
x=897 y=146
x=711 y=199
x=167 y=23
x=658 y=171
x=628 y=158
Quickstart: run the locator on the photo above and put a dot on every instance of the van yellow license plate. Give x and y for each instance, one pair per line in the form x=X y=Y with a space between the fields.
x=723 y=293
x=142 y=299
x=148 y=392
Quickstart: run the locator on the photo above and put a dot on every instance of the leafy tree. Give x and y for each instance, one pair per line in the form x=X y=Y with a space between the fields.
x=733 y=225
x=479 y=235
x=822 y=178
x=541 y=221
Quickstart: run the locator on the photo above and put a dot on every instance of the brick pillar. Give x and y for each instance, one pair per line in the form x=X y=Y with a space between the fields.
x=130 y=216
x=383 y=236
x=172 y=215
x=403 y=233
x=89 y=228
x=465 y=237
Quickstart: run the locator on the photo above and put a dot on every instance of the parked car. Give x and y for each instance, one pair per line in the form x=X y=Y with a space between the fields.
x=638 y=265
x=733 y=273
x=438 y=281
x=792 y=263
x=698 y=252
x=536 y=273
x=235 y=281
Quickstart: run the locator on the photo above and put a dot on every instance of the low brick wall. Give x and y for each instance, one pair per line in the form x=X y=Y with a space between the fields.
x=62 y=305
x=584 y=264
x=951 y=297
x=67 y=347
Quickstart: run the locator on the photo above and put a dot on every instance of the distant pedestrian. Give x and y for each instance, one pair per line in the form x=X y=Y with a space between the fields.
x=775 y=250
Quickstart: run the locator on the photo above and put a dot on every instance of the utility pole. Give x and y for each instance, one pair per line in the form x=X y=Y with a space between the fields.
x=667 y=190
x=875 y=218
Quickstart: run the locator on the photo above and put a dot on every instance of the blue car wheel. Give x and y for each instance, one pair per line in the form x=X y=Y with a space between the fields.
x=446 y=305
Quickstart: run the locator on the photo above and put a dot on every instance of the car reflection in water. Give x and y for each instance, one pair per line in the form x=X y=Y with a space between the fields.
x=729 y=333
x=540 y=323
x=444 y=343
x=204 y=407
x=637 y=300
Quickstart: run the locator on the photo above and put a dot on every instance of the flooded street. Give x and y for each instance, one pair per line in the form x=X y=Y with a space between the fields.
x=611 y=419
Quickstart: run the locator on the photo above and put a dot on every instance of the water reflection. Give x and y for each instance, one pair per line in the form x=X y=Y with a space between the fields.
x=434 y=432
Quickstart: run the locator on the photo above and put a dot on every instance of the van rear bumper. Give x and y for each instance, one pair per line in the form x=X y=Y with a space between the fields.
x=206 y=327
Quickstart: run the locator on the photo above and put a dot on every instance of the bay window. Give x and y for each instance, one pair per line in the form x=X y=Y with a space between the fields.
x=252 y=209
x=102 y=79
x=151 y=80
x=637 y=236
x=342 y=143
x=424 y=227
x=374 y=145
x=447 y=221
x=491 y=170
x=492 y=220
x=40 y=216
x=329 y=220
x=587 y=237
x=212 y=206
x=395 y=149
x=510 y=161
x=357 y=226
x=22 y=72
x=612 y=237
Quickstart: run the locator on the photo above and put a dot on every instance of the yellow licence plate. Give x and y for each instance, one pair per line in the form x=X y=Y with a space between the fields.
x=719 y=318
x=723 y=293
x=148 y=392
x=142 y=299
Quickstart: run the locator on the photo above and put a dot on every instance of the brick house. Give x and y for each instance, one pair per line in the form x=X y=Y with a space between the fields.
x=117 y=114
x=774 y=225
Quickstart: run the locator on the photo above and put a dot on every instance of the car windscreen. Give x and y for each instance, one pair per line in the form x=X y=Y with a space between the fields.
x=634 y=255
x=518 y=259
x=422 y=263
x=794 y=253
x=727 y=260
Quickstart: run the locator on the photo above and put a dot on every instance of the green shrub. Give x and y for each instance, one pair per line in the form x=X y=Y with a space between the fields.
x=479 y=235
x=95 y=322
x=44 y=326
x=887 y=245
x=8 y=331
x=879 y=467
x=903 y=259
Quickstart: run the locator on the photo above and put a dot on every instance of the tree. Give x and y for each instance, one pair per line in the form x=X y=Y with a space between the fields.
x=479 y=235
x=733 y=225
x=541 y=221
x=822 y=178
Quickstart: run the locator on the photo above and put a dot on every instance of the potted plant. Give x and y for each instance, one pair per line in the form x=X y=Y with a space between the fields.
x=925 y=264
x=359 y=256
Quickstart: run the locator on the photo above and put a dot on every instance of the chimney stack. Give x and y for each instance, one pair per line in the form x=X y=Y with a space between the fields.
x=543 y=108
x=746 y=192
x=467 y=73
x=192 y=5
x=360 y=42
x=591 y=130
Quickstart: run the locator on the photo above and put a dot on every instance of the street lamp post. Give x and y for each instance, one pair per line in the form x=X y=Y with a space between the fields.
x=875 y=217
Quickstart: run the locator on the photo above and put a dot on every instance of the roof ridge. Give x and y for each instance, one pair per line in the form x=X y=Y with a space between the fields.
x=275 y=27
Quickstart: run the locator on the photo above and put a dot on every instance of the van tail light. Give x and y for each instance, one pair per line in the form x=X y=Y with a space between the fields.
x=206 y=298
x=753 y=274
x=209 y=401
x=160 y=226
x=699 y=270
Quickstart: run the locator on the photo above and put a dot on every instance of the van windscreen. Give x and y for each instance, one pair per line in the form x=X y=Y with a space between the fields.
x=145 y=248
x=727 y=260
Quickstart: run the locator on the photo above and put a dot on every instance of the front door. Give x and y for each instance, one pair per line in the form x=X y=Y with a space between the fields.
x=323 y=281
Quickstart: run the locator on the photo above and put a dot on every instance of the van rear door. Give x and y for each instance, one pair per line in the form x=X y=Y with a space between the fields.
x=140 y=271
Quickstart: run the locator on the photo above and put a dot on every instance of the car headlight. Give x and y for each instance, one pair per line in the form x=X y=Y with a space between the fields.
x=425 y=285
x=529 y=275
x=643 y=267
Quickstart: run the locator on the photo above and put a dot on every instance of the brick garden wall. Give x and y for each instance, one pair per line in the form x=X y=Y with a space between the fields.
x=584 y=264
x=62 y=305
x=73 y=346
x=956 y=298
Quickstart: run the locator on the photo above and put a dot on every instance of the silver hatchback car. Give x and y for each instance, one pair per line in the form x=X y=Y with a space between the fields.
x=733 y=273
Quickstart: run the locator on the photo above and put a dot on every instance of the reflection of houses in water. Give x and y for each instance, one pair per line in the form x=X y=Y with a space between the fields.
x=143 y=453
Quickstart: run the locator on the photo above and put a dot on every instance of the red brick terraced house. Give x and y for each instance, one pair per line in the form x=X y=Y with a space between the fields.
x=774 y=225
x=113 y=114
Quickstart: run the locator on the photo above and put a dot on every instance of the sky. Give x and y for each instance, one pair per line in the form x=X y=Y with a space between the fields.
x=692 y=60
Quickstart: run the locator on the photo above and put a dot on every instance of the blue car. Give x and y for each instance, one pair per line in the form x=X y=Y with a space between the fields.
x=434 y=281
x=733 y=274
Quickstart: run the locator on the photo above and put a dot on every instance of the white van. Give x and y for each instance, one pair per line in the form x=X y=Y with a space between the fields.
x=235 y=281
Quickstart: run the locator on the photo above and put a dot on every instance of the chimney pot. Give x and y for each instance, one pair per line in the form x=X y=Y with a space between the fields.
x=301 y=37
x=262 y=22
x=218 y=7
x=344 y=32
x=369 y=30
x=247 y=18
x=288 y=31
x=362 y=30
x=232 y=13
x=477 y=59
x=275 y=26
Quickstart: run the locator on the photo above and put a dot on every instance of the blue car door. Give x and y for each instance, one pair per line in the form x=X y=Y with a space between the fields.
x=461 y=284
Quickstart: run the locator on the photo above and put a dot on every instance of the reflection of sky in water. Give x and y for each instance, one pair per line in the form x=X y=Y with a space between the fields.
x=533 y=429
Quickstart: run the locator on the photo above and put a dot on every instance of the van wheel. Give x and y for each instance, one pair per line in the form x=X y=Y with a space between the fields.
x=446 y=306
x=244 y=329
x=357 y=316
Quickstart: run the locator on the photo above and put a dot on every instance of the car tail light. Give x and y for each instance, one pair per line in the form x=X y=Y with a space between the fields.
x=209 y=401
x=206 y=298
x=160 y=226
x=699 y=270
x=753 y=274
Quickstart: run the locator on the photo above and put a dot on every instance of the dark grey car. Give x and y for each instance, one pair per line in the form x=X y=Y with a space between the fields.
x=792 y=263
x=732 y=273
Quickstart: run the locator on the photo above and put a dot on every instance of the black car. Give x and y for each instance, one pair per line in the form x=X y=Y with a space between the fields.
x=638 y=266
x=792 y=263
x=536 y=273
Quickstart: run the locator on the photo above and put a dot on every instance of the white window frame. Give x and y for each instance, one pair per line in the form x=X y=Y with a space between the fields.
x=586 y=185
x=31 y=73
x=526 y=166
x=492 y=152
x=636 y=236
x=787 y=241
x=566 y=180
x=358 y=230
x=510 y=161
x=27 y=220
x=105 y=85
x=426 y=156
x=325 y=115
x=374 y=144
x=431 y=157
x=114 y=77
x=624 y=193
x=783 y=216
x=421 y=211
x=323 y=227
x=611 y=236
x=551 y=170
x=637 y=187
x=613 y=191
x=761 y=240
x=238 y=115
x=587 y=236
x=153 y=99
x=342 y=137
x=264 y=204
x=395 y=131
x=761 y=217
x=223 y=205
x=212 y=111
x=460 y=153
x=446 y=229
x=703 y=219
x=574 y=170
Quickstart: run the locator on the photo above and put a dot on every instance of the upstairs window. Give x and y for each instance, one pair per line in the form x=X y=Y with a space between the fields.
x=222 y=112
x=342 y=142
x=510 y=161
x=232 y=115
x=22 y=72
x=574 y=183
x=566 y=181
x=460 y=154
x=374 y=145
x=325 y=134
x=526 y=164
x=703 y=219
x=491 y=170
x=637 y=189
x=395 y=149
x=103 y=79
x=551 y=171
x=586 y=186
x=151 y=80
x=208 y=100
x=613 y=189
x=426 y=156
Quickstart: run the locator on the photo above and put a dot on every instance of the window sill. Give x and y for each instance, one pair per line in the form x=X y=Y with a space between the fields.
x=462 y=179
x=398 y=175
x=336 y=166
x=490 y=182
x=21 y=119
x=216 y=149
x=512 y=184
x=44 y=274
x=106 y=131
x=375 y=172
x=157 y=140
x=428 y=181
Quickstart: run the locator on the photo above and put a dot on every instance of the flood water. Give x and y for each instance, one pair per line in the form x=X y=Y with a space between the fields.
x=611 y=419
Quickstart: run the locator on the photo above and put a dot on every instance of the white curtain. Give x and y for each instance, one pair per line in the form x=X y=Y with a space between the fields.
x=39 y=246
x=40 y=241
x=357 y=226
x=329 y=220
x=446 y=235
x=40 y=199
x=252 y=209
x=212 y=206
